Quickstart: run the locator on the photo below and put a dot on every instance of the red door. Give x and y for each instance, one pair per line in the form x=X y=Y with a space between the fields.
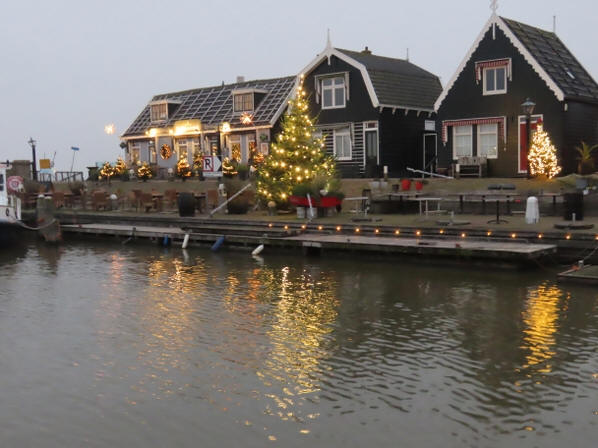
x=523 y=139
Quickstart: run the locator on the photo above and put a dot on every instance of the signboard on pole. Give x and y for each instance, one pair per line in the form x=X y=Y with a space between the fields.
x=211 y=166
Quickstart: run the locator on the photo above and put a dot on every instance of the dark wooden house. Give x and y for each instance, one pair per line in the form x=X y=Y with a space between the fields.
x=373 y=111
x=480 y=113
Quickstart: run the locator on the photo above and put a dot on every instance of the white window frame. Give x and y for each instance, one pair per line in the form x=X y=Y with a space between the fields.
x=181 y=143
x=159 y=117
x=342 y=132
x=494 y=91
x=456 y=134
x=134 y=149
x=488 y=155
x=332 y=88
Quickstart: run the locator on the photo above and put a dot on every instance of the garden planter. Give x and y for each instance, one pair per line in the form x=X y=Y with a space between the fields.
x=405 y=184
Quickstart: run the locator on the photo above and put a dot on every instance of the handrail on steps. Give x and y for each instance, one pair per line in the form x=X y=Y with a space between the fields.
x=229 y=199
x=429 y=173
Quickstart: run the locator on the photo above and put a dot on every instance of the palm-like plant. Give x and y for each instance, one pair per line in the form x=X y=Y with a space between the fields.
x=585 y=158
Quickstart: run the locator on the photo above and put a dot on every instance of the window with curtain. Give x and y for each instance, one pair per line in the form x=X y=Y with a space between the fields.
x=342 y=143
x=462 y=142
x=488 y=140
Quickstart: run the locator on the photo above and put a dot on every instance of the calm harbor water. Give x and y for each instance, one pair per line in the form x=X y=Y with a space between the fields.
x=107 y=345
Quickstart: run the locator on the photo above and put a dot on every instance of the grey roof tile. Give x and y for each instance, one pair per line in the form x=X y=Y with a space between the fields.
x=556 y=59
x=399 y=82
x=213 y=105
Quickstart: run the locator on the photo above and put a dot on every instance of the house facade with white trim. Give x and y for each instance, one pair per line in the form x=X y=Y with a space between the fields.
x=233 y=121
x=372 y=111
x=479 y=111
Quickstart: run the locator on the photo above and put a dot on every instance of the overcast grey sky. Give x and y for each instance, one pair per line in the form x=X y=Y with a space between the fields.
x=71 y=67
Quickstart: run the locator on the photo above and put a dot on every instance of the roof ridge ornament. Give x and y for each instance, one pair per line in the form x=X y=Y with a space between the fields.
x=328 y=41
x=493 y=6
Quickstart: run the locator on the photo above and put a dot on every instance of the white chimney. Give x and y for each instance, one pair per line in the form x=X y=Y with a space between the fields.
x=240 y=79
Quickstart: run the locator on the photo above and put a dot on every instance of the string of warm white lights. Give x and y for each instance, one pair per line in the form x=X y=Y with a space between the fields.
x=542 y=155
x=296 y=156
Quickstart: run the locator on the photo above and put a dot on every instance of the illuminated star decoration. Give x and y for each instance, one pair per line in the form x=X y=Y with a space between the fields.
x=109 y=129
x=246 y=118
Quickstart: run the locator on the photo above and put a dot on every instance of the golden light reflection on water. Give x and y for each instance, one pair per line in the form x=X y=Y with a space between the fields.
x=306 y=307
x=541 y=320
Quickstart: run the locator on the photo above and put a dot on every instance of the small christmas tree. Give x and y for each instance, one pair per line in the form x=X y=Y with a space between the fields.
x=296 y=157
x=120 y=168
x=183 y=170
x=542 y=155
x=144 y=171
x=107 y=171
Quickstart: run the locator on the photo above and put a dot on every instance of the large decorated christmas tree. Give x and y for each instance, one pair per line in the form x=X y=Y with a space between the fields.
x=542 y=155
x=296 y=156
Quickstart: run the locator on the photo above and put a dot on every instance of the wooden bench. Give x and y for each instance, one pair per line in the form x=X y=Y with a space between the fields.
x=470 y=166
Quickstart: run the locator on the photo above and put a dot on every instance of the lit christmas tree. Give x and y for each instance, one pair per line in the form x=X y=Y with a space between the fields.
x=144 y=171
x=296 y=157
x=107 y=171
x=120 y=168
x=542 y=155
x=183 y=170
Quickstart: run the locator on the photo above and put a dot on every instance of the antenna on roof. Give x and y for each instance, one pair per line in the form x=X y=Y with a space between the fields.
x=554 y=24
x=328 y=41
x=407 y=58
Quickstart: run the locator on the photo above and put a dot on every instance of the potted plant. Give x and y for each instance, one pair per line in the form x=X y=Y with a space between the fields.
x=243 y=171
x=240 y=204
x=585 y=158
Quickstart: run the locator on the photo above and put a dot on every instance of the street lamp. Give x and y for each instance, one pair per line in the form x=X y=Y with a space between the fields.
x=34 y=171
x=528 y=109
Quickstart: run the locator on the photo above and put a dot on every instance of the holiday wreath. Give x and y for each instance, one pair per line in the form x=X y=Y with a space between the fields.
x=165 y=151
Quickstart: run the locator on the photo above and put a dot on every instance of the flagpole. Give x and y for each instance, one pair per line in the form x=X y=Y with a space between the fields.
x=73 y=161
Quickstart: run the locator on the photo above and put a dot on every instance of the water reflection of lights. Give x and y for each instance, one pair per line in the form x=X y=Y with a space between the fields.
x=541 y=320
x=305 y=309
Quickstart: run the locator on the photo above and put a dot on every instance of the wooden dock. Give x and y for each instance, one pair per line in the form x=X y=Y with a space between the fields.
x=470 y=249
x=585 y=275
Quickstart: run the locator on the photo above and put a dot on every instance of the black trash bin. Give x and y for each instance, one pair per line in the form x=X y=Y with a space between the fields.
x=186 y=203
x=573 y=204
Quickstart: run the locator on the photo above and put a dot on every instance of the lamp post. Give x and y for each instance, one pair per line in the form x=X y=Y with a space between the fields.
x=528 y=109
x=34 y=170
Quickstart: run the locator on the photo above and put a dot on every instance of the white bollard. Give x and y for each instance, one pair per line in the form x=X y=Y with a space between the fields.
x=257 y=250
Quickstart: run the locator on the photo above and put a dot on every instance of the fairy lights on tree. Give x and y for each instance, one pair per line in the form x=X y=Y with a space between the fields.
x=107 y=171
x=542 y=155
x=144 y=171
x=183 y=170
x=296 y=156
x=120 y=168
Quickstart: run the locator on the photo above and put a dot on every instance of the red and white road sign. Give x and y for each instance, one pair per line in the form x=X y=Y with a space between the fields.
x=212 y=166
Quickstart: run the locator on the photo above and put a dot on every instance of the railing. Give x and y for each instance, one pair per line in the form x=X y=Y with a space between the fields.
x=442 y=176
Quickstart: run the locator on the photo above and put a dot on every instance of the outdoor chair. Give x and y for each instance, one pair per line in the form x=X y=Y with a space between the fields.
x=170 y=198
x=58 y=199
x=212 y=197
x=99 y=199
x=147 y=202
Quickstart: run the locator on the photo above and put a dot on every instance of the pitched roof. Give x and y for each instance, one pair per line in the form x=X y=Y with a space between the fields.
x=390 y=82
x=544 y=51
x=398 y=82
x=214 y=105
x=556 y=60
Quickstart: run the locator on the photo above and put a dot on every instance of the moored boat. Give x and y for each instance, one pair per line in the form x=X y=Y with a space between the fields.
x=10 y=212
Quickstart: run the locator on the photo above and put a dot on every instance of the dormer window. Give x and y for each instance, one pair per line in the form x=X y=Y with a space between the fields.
x=243 y=102
x=159 y=112
x=494 y=75
x=333 y=92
